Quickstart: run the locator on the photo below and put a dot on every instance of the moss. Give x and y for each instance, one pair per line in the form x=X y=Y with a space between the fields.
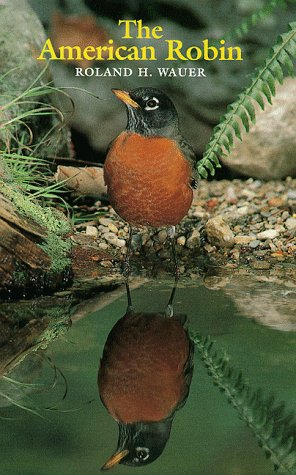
x=58 y=250
x=54 y=221
x=19 y=277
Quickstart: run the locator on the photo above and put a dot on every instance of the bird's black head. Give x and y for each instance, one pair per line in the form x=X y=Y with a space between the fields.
x=150 y=112
x=140 y=443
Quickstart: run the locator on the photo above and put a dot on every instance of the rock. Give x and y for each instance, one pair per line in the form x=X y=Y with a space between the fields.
x=145 y=238
x=105 y=221
x=290 y=223
x=107 y=264
x=267 y=300
x=249 y=194
x=243 y=240
x=103 y=245
x=268 y=234
x=209 y=248
x=120 y=242
x=194 y=240
x=260 y=265
x=162 y=235
x=285 y=215
x=268 y=150
x=22 y=37
x=277 y=201
x=292 y=194
x=219 y=233
x=280 y=228
x=91 y=231
x=235 y=253
x=111 y=238
x=230 y=195
x=254 y=244
x=113 y=228
x=103 y=229
x=243 y=211
x=199 y=212
x=181 y=240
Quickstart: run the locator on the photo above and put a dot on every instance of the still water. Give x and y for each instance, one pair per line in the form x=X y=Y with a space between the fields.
x=252 y=319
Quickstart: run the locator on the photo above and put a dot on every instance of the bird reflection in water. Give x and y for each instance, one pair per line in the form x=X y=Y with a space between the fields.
x=144 y=378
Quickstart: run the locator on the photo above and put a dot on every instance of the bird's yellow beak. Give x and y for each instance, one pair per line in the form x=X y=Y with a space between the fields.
x=115 y=459
x=126 y=98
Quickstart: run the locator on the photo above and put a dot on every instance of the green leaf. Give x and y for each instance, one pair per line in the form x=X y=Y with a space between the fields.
x=202 y=171
x=248 y=105
x=236 y=127
x=272 y=426
x=244 y=118
x=285 y=60
x=263 y=83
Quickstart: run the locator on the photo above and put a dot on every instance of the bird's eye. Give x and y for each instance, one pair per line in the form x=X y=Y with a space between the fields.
x=152 y=104
x=142 y=454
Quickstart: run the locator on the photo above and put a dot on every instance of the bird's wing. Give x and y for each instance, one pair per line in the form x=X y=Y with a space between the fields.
x=191 y=157
x=188 y=373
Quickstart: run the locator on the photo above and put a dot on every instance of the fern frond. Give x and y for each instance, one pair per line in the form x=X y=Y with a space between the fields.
x=242 y=112
x=255 y=17
x=274 y=429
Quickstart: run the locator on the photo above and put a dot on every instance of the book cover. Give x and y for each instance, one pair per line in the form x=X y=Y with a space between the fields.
x=147 y=236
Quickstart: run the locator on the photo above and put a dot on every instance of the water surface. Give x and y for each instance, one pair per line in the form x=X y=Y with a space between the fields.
x=208 y=438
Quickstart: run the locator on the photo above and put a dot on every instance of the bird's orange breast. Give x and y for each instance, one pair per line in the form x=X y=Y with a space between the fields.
x=141 y=376
x=148 y=180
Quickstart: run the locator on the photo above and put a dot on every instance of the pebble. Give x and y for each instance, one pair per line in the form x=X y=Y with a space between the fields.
x=157 y=246
x=254 y=244
x=219 y=233
x=249 y=194
x=120 y=242
x=162 y=235
x=111 y=238
x=285 y=215
x=290 y=223
x=268 y=234
x=105 y=221
x=106 y=264
x=230 y=195
x=251 y=214
x=243 y=210
x=91 y=231
x=235 y=254
x=277 y=201
x=181 y=240
x=242 y=240
x=103 y=229
x=280 y=228
x=292 y=194
x=113 y=228
x=254 y=184
x=260 y=265
x=200 y=213
x=145 y=238
x=210 y=248
x=194 y=240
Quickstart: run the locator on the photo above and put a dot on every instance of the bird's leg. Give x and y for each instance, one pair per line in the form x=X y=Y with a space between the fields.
x=126 y=264
x=169 y=310
x=171 y=234
x=129 y=298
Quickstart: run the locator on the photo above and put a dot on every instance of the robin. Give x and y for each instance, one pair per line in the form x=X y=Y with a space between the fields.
x=144 y=377
x=149 y=169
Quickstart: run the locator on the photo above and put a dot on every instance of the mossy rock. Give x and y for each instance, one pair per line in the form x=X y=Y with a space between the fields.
x=34 y=248
x=21 y=40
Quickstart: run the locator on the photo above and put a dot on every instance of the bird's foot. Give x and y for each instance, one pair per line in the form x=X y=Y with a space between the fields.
x=177 y=274
x=169 y=311
x=126 y=269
